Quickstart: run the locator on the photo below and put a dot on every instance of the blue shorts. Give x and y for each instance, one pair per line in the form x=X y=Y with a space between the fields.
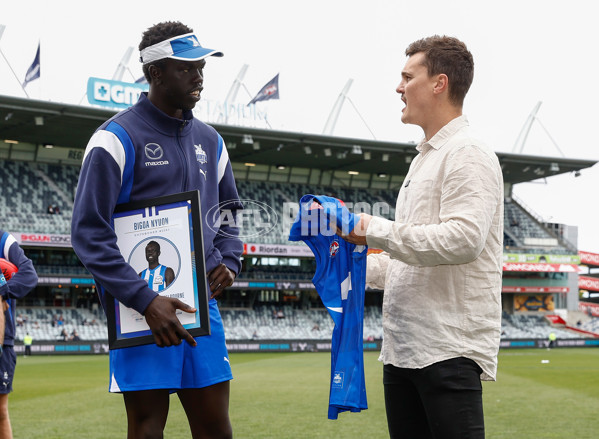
x=8 y=362
x=176 y=367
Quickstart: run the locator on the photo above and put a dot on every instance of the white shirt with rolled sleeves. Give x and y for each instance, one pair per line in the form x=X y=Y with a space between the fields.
x=441 y=264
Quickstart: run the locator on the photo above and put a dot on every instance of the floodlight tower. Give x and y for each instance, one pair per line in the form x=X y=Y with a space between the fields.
x=232 y=95
x=122 y=67
x=532 y=117
x=329 y=127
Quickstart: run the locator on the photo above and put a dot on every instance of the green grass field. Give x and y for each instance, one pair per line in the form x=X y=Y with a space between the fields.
x=286 y=396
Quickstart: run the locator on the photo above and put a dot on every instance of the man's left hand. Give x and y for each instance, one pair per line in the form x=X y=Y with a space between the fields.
x=219 y=278
x=358 y=234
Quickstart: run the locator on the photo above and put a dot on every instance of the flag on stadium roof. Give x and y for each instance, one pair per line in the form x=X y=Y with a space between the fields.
x=269 y=91
x=34 y=69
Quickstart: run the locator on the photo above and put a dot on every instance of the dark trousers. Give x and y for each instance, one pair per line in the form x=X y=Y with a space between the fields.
x=443 y=400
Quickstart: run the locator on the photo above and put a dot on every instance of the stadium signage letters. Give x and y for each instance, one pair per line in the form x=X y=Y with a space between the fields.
x=588 y=283
x=290 y=346
x=274 y=285
x=113 y=94
x=75 y=154
x=533 y=258
x=511 y=289
x=43 y=239
x=46 y=280
x=277 y=250
x=541 y=268
x=589 y=258
x=233 y=114
x=44 y=347
x=589 y=308
x=523 y=303
x=579 y=343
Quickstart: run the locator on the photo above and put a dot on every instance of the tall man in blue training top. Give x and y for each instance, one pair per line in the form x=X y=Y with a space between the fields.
x=442 y=261
x=152 y=149
x=15 y=283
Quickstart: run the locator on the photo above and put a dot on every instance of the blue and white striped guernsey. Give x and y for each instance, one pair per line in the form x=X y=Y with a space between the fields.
x=340 y=280
x=155 y=277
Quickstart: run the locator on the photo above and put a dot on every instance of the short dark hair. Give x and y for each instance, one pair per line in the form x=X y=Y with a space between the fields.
x=448 y=55
x=153 y=242
x=157 y=33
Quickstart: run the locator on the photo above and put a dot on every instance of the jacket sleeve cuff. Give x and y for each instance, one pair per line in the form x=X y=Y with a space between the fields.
x=232 y=264
x=141 y=304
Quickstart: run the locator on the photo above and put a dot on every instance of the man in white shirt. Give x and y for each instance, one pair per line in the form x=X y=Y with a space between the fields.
x=441 y=264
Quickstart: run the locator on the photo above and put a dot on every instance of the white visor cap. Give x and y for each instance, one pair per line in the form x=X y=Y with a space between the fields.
x=182 y=47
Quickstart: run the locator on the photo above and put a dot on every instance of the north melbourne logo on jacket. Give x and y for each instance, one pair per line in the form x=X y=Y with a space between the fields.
x=200 y=154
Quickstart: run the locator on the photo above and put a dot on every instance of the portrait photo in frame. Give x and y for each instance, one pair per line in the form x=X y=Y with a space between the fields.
x=161 y=238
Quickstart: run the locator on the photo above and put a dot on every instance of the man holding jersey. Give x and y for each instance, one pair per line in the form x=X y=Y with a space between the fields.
x=441 y=264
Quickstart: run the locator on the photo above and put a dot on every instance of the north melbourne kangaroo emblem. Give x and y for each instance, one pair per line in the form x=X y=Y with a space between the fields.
x=200 y=154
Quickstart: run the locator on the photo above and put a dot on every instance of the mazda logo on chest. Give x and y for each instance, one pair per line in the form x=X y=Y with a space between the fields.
x=153 y=151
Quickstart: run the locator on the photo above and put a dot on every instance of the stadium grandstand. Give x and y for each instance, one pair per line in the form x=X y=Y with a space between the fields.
x=548 y=284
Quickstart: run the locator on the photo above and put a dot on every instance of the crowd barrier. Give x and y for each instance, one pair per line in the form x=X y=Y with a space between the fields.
x=101 y=347
x=543 y=343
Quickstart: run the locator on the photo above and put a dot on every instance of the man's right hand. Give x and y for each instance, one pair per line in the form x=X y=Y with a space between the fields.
x=163 y=322
x=358 y=234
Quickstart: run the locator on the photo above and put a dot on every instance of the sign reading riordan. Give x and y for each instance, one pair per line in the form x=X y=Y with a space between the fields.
x=161 y=238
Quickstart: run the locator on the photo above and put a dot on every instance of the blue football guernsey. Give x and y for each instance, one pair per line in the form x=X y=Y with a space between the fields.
x=340 y=280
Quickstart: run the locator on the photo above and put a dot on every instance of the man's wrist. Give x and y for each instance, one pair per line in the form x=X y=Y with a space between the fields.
x=365 y=221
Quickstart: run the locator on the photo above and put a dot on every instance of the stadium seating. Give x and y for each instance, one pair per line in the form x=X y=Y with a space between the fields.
x=262 y=323
x=521 y=228
x=62 y=270
x=282 y=272
x=41 y=323
x=26 y=198
x=275 y=195
x=591 y=325
x=531 y=326
x=29 y=187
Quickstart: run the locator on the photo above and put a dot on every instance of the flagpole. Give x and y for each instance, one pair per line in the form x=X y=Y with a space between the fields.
x=9 y=66
x=15 y=75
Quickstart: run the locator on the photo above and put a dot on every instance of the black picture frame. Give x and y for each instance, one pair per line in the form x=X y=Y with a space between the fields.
x=174 y=222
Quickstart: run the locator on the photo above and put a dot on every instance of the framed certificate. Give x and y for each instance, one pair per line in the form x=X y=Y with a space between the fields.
x=161 y=238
